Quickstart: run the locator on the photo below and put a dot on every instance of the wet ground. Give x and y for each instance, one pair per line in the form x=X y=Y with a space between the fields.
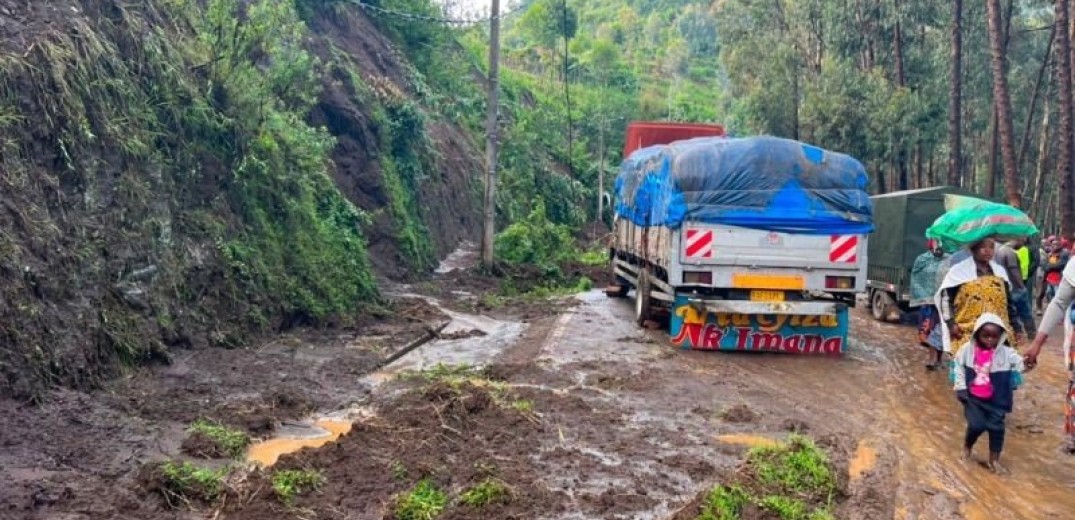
x=580 y=412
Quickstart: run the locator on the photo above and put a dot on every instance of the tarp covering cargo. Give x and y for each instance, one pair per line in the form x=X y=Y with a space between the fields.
x=756 y=182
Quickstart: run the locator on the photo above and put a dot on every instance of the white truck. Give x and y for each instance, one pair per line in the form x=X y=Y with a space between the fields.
x=737 y=255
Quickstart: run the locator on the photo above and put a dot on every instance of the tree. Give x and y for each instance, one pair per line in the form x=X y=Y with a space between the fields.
x=1066 y=137
x=955 y=92
x=1003 y=104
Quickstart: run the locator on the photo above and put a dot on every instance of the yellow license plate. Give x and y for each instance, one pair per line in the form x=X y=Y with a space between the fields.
x=767 y=296
x=768 y=281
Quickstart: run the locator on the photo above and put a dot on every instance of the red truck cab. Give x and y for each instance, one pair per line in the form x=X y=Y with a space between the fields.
x=641 y=134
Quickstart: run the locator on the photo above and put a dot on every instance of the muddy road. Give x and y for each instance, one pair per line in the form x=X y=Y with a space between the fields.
x=576 y=411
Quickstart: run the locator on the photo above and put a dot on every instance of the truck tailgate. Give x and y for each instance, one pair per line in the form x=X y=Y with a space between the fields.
x=707 y=245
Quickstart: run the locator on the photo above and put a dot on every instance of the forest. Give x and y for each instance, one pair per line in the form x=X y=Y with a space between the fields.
x=973 y=94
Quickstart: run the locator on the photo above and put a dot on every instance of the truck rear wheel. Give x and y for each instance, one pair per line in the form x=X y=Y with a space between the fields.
x=642 y=307
x=880 y=304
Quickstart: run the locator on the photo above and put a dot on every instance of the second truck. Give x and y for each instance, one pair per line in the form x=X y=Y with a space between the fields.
x=743 y=243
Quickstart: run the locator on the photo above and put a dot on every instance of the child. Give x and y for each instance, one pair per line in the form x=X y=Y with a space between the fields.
x=986 y=373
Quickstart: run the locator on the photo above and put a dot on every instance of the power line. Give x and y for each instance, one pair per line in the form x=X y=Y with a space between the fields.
x=435 y=19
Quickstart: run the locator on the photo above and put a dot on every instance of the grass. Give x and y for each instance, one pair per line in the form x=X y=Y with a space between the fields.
x=523 y=405
x=287 y=484
x=793 y=481
x=189 y=482
x=724 y=503
x=488 y=491
x=423 y=502
x=231 y=441
x=796 y=467
x=784 y=507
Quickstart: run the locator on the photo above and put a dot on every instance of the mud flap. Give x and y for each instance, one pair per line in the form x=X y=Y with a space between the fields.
x=694 y=328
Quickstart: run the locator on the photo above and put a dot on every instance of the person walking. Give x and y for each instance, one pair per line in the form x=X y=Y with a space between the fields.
x=972 y=287
x=1058 y=311
x=1017 y=266
x=986 y=373
x=925 y=276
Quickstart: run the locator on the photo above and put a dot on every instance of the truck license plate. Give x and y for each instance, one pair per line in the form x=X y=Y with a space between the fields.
x=767 y=296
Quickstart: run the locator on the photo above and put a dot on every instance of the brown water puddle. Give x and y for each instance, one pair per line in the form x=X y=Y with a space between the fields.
x=267 y=452
x=742 y=439
x=864 y=460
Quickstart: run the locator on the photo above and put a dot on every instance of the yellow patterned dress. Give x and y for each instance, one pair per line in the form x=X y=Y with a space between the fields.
x=984 y=294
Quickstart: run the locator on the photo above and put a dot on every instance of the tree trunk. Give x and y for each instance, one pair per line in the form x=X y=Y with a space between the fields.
x=491 y=139
x=955 y=92
x=1043 y=160
x=1065 y=138
x=994 y=139
x=1003 y=105
x=1034 y=98
x=901 y=80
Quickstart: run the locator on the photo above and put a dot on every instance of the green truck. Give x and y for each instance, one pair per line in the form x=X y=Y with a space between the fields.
x=900 y=220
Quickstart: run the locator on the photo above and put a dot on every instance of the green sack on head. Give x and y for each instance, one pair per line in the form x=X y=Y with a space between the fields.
x=969 y=220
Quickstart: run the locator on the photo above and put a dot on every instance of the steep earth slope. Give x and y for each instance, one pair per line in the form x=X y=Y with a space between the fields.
x=180 y=174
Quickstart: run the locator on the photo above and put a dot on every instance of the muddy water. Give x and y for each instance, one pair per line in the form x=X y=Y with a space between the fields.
x=753 y=441
x=925 y=423
x=291 y=439
x=495 y=335
x=464 y=257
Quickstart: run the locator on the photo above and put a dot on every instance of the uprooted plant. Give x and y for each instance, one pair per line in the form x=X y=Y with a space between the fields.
x=211 y=439
x=423 y=502
x=182 y=483
x=289 y=483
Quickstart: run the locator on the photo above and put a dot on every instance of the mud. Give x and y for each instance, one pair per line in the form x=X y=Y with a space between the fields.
x=579 y=412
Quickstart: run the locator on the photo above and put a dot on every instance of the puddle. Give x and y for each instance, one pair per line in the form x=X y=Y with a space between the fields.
x=464 y=257
x=475 y=351
x=864 y=460
x=753 y=441
x=293 y=438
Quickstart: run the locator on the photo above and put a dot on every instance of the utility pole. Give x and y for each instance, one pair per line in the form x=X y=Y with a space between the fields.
x=491 y=140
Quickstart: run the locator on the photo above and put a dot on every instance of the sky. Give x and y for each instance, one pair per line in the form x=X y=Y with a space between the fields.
x=472 y=9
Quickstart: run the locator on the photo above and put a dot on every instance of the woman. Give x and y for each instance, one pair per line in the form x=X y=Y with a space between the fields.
x=924 y=279
x=1058 y=311
x=972 y=287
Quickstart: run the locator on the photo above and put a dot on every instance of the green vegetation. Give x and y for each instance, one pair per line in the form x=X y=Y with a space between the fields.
x=423 y=502
x=794 y=481
x=525 y=406
x=229 y=440
x=287 y=484
x=798 y=467
x=784 y=507
x=488 y=491
x=185 y=482
x=724 y=503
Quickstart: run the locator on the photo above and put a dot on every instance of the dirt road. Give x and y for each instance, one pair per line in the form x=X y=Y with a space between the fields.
x=581 y=413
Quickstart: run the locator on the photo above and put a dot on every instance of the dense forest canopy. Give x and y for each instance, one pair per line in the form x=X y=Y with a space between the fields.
x=872 y=78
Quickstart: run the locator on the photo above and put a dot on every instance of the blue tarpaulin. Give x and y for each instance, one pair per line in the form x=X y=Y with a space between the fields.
x=754 y=182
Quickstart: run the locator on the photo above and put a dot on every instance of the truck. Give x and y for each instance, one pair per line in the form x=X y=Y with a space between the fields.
x=755 y=243
x=902 y=218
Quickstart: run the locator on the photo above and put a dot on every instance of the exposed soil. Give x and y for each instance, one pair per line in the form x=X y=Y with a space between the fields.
x=79 y=454
x=583 y=416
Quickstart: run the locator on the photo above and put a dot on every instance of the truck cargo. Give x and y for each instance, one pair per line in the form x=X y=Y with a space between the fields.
x=745 y=244
x=899 y=237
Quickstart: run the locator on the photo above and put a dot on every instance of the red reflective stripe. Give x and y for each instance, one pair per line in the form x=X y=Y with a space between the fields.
x=844 y=248
x=699 y=243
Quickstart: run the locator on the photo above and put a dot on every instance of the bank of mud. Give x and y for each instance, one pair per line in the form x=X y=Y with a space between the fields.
x=576 y=413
